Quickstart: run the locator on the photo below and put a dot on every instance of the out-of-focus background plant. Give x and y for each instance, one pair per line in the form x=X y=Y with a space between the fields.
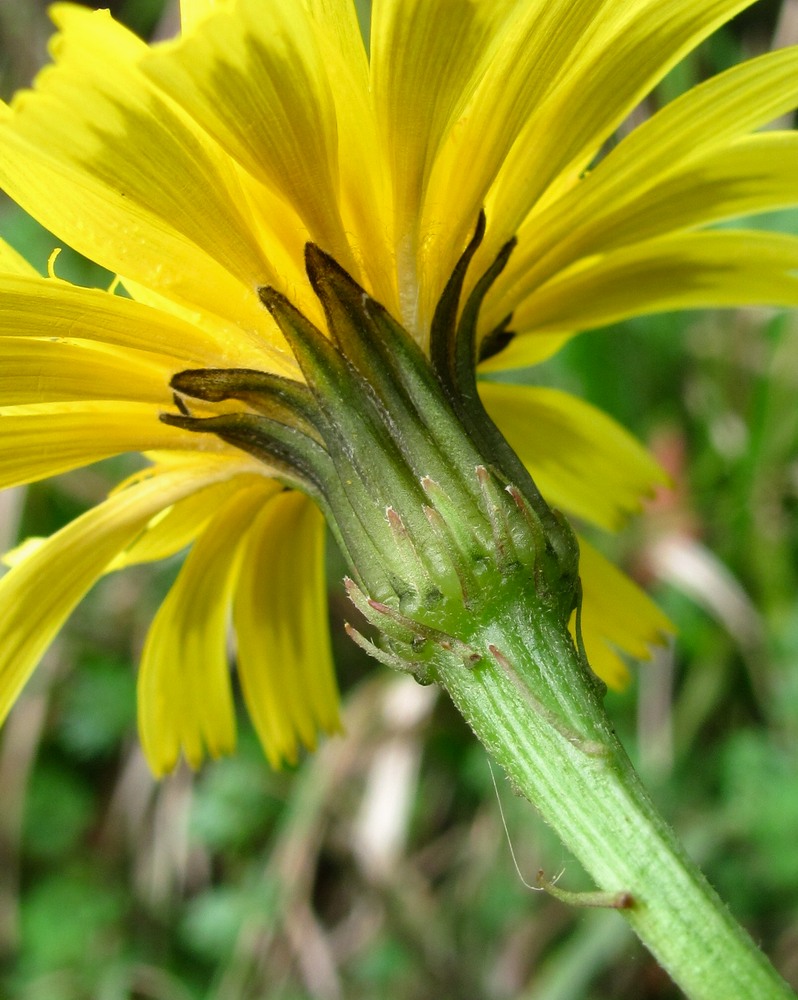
x=380 y=866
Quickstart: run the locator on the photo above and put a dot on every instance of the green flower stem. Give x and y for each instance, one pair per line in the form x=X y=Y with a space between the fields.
x=584 y=786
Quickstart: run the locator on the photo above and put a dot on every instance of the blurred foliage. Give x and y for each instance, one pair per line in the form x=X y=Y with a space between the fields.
x=239 y=883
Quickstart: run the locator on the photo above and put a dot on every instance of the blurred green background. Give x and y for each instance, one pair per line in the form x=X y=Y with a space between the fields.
x=380 y=867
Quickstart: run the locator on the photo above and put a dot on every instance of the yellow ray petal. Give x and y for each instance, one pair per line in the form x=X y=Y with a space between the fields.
x=364 y=187
x=690 y=155
x=755 y=174
x=636 y=46
x=721 y=109
x=581 y=459
x=523 y=63
x=39 y=593
x=23 y=551
x=42 y=371
x=425 y=62
x=184 y=696
x=284 y=658
x=169 y=218
x=338 y=21
x=693 y=270
x=616 y=615
x=193 y=11
x=42 y=441
x=13 y=263
x=524 y=352
x=262 y=58
x=174 y=529
x=39 y=307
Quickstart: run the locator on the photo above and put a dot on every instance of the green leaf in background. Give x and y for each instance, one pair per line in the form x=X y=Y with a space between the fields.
x=71 y=919
x=98 y=708
x=59 y=810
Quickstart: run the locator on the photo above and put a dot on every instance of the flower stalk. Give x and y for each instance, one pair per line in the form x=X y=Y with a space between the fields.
x=582 y=783
x=469 y=579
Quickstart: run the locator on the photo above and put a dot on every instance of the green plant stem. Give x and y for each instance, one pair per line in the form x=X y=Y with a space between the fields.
x=581 y=781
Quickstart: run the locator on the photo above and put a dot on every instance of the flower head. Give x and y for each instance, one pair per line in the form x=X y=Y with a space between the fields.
x=197 y=170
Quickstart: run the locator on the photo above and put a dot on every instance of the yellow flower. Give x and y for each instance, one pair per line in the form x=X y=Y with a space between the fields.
x=197 y=169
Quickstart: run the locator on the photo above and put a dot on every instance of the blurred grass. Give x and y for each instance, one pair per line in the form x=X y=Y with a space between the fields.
x=239 y=883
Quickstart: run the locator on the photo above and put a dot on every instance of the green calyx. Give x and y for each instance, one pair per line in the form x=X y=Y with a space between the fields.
x=432 y=509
